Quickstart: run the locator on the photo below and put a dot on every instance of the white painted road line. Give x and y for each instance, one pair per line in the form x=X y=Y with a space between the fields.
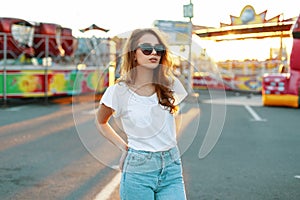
x=15 y=109
x=239 y=101
x=90 y=112
x=255 y=116
x=109 y=188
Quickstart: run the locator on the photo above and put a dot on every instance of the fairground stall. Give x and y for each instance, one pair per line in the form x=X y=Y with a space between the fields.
x=244 y=50
x=44 y=59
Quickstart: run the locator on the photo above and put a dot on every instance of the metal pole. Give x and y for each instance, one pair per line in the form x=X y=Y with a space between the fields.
x=188 y=12
x=191 y=70
x=4 y=71
x=46 y=69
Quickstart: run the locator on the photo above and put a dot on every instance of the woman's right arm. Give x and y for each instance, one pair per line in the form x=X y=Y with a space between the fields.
x=103 y=115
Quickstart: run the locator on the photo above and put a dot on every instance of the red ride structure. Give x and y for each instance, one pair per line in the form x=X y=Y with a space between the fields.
x=283 y=89
x=54 y=40
x=68 y=41
x=16 y=38
x=19 y=37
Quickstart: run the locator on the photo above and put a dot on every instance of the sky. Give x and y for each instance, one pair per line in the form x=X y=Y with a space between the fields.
x=121 y=16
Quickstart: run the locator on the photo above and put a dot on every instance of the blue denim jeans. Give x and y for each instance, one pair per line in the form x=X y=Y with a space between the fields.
x=152 y=176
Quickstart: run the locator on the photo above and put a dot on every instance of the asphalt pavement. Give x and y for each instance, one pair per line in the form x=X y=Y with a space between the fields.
x=232 y=148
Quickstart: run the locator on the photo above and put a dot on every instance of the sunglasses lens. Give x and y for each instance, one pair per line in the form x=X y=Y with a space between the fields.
x=147 y=49
x=160 y=50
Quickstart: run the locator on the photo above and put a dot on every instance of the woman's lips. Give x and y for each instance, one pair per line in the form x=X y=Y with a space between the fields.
x=153 y=60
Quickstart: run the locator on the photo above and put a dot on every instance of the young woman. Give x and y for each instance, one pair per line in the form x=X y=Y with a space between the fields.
x=145 y=99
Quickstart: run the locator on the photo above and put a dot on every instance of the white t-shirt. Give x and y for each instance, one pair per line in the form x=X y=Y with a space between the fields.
x=147 y=124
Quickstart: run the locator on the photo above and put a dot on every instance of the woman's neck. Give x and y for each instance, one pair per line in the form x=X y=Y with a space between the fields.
x=143 y=84
x=143 y=77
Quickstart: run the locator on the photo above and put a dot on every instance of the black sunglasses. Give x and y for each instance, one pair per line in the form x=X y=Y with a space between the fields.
x=147 y=49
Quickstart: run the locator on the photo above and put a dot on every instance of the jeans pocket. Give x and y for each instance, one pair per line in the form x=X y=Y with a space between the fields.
x=175 y=155
x=178 y=161
x=136 y=159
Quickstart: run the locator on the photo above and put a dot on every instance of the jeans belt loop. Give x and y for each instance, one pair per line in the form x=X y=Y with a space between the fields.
x=149 y=155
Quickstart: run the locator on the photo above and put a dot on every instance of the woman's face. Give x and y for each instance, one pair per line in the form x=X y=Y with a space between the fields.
x=146 y=44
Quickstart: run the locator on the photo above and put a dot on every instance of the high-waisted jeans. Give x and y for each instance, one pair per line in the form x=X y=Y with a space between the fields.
x=152 y=176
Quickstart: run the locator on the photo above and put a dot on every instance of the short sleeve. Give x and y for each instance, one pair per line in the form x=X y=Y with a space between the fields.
x=179 y=91
x=109 y=98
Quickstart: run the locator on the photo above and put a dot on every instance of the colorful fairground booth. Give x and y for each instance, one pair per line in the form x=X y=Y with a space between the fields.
x=244 y=50
x=40 y=59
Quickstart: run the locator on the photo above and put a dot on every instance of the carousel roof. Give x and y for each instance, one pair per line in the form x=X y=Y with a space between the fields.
x=248 y=25
x=256 y=31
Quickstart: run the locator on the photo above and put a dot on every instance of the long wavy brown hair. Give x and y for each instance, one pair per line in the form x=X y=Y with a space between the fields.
x=162 y=75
